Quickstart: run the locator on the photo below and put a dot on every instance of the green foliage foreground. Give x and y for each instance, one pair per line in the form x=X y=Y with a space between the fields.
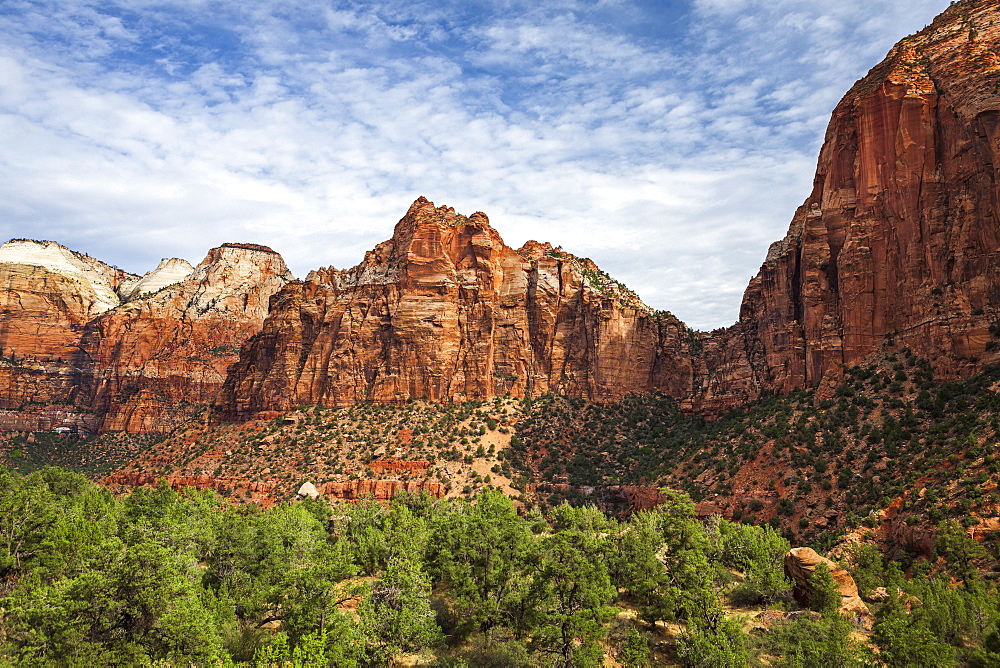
x=185 y=578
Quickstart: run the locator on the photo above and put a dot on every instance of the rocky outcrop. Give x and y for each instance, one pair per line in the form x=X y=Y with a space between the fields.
x=399 y=466
x=146 y=361
x=800 y=566
x=75 y=354
x=169 y=271
x=267 y=492
x=380 y=490
x=48 y=294
x=899 y=238
x=446 y=311
x=898 y=242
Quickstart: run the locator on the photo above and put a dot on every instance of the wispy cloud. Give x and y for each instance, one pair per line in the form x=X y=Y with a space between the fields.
x=668 y=141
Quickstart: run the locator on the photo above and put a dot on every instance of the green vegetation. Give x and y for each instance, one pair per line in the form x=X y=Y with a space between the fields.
x=92 y=456
x=175 y=578
x=812 y=466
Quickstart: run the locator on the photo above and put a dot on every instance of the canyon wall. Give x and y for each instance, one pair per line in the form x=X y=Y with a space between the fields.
x=897 y=243
x=898 y=240
x=88 y=347
x=446 y=311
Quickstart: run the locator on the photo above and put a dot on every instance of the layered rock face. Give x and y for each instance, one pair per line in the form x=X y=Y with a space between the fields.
x=149 y=359
x=48 y=294
x=446 y=311
x=169 y=271
x=898 y=242
x=89 y=346
x=900 y=235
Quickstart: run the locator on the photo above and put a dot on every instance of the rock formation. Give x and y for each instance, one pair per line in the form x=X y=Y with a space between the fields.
x=148 y=360
x=897 y=242
x=801 y=564
x=48 y=294
x=899 y=237
x=446 y=311
x=170 y=270
x=89 y=346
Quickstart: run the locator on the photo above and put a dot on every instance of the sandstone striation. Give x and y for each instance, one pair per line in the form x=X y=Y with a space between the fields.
x=48 y=294
x=169 y=271
x=446 y=311
x=147 y=361
x=73 y=354
x=897 y=242
x=899 y=237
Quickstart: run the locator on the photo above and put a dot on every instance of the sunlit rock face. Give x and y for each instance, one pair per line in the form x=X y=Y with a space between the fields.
x=899 y=238
x=444 y=310
x=897 y=242
x=169 y=271
x=48 y=294
x=75 y=354
x=153 y=360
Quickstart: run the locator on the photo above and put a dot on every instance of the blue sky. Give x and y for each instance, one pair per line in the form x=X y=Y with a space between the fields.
x=669 y=141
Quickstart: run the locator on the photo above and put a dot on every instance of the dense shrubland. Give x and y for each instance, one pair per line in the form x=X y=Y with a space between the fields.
x=180 y=578
x=812 y=466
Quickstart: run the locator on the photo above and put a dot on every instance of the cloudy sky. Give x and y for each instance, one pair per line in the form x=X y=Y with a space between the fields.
x=669 y=140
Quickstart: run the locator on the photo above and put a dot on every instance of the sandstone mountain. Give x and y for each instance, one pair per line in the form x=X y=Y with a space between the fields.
x=90 y=347
x=899 y=237
x=446 y=311
x=897 y=242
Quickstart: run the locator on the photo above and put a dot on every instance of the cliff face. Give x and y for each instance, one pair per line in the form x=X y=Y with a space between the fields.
x=148 y=360
x=446 y=311
x=88 y=346
x=899 y=238
x=898 y=242
x=48 y=294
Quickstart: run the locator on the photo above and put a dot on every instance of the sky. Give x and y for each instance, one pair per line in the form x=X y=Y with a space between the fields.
x=670 y=141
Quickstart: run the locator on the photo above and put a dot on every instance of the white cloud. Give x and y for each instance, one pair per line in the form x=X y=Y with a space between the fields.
x=671 y=159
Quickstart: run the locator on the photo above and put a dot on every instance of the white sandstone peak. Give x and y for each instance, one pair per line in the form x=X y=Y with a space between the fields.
x=95 y=277
x=170 y=270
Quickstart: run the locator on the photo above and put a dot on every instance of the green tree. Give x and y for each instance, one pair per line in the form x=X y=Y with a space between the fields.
x=574 y=591
x=397 y=614
x=825 y=596
x=481 y=551
x=804 y=642
x=958 y=548
x=635 y=566
x=905 y=640
x=723 y=645
x=758 y=552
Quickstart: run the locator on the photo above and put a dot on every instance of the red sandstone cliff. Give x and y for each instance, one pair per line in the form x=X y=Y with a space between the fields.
x=87 y=345
x=900 y=235
x=149 y=359
x=446 y=311
x=898 y=240
x=48 y=294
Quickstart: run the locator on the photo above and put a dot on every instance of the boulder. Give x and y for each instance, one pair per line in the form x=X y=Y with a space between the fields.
x=800 y=565
x=308 y=489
